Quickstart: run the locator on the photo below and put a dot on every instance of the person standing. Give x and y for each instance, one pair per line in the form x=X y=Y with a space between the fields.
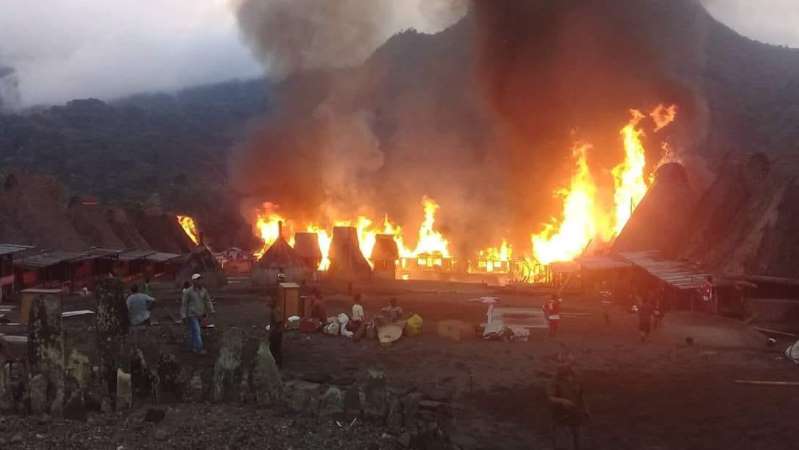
x=569 y=410
x=605 y=301
x=139 y=306
x=147 y=288
x=645 y=312
x=195 y=305
x=552 y=314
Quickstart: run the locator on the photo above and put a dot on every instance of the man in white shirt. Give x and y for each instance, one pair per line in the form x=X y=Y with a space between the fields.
x=358 y=315
x=139 y=306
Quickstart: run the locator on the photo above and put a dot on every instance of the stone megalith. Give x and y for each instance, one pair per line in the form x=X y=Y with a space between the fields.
x=376 y=395
x=112 y=328
x=266 y=380
x=46 y=351
x=227 y=370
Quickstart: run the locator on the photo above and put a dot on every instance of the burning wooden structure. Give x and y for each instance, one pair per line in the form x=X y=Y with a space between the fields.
x=279 y=259
x=307 y=247
x=385 y=255
x=346 y=260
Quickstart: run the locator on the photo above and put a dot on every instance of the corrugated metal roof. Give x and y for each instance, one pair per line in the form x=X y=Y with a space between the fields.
x=162 y=257
x=7 y=249
x=602 y=263
x=678 y=274
x=132 y=255
x=48 y=259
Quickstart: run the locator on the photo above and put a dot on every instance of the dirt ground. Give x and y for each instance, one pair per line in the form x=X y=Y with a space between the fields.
x=663 y=394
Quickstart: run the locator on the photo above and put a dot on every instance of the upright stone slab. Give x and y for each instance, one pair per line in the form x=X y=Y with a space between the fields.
x=376 y=395
x=124 y=390
x=6 y=393
x=46 y=349
x=169 y=386
x=79 y=368
x=112 y=328
x=227 y=370
x=266 y=379
x=37 y=387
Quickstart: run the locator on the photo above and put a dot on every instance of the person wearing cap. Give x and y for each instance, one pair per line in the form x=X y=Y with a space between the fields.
x=195 y=305
x=552 y=314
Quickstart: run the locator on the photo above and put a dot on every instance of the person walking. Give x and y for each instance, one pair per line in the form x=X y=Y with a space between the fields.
x=195 y=305
x=552 y=314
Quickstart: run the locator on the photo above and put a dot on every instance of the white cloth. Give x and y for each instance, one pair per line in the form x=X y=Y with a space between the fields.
x=357 y=312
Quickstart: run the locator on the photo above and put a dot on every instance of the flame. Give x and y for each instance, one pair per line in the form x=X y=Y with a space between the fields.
x=495 y=259
x=324 y=245
x=190 y=228
x=629 y=176
x=430 y=240
x=268 y=226
x=582 y=219
x=663 y=116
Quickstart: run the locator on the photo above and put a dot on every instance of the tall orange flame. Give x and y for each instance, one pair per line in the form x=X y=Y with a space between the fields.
x=190 y=228
x=565 y=239
x=629 y=176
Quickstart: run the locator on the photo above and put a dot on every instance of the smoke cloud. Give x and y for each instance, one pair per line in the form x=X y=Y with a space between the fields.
x=481 y=116
x=9 y=89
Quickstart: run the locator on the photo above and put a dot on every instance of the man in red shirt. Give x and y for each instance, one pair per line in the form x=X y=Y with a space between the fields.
x=552 y=314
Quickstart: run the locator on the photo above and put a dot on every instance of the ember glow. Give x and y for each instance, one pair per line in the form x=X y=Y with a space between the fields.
x=190 y=228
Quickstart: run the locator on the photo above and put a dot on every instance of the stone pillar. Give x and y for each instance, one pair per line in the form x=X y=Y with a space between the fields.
x=227 y=370
x=46 y=353
x=266 y=379
x=112 y=328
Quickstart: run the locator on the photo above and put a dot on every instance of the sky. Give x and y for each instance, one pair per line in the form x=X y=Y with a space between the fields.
x=65 y=49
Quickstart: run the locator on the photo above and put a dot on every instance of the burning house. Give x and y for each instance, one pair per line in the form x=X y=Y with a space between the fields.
x=199 y=260
x=306 y=245
x=346 y=260
x=385 y=255
x=279 y=259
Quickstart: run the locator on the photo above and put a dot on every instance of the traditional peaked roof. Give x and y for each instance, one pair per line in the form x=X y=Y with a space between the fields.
x=160 y=257
x=281 y=255
x=385 y=248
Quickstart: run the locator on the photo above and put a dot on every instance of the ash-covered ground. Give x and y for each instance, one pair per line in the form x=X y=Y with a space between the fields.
x=663 y=394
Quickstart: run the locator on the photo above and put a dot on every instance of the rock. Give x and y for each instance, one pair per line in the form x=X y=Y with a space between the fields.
x=16 y=439
x=266 y=380
x=332 y=402
x=38 y=394
x=196 y=392
x=168 y=376
x=75 y=408
x=112 y=324
x=354 y=402
x=228 y=364
x=376 y=395
x=45 y=420
x=154 y=415
x=124 y=390
x=394 y=419
x=161 y=434
x=106 y=405
x=404 y=440
x=410 y=409
x=302 y=396
x=79 y=368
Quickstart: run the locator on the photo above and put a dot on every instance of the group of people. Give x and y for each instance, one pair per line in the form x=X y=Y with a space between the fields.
x=195 y=306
